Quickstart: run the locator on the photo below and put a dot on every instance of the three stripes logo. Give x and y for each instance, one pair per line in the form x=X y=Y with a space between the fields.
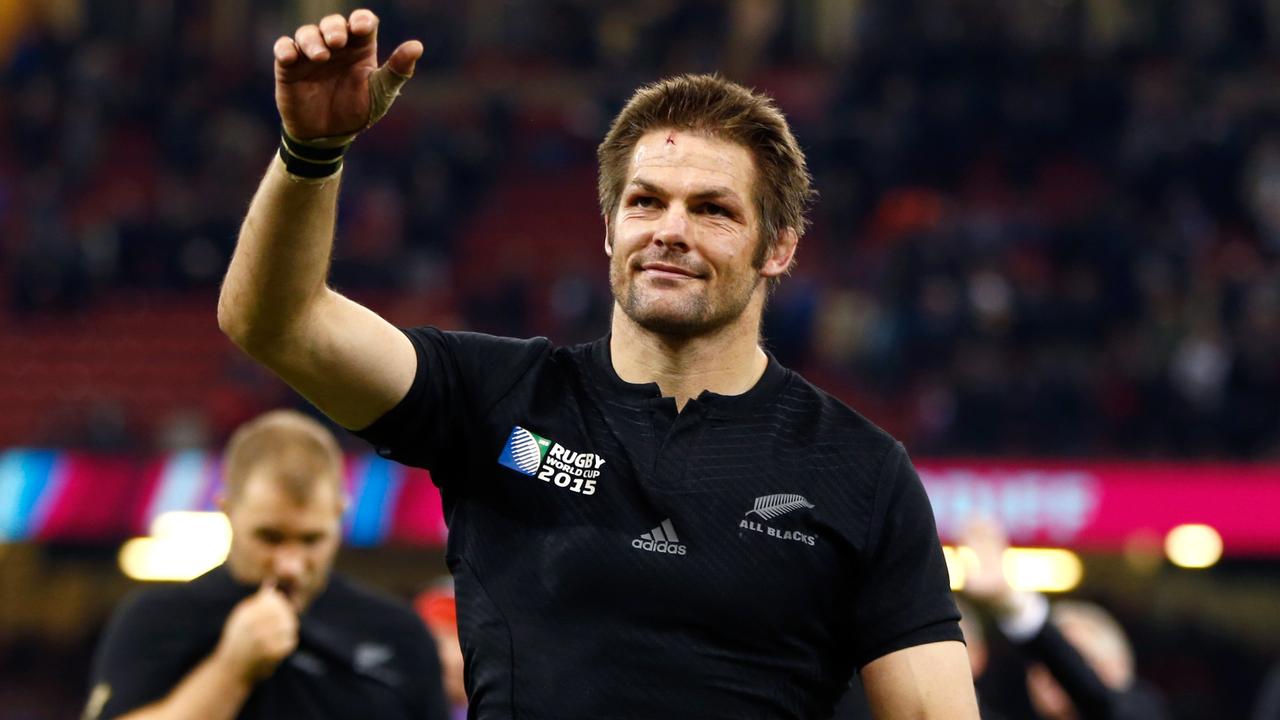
x=662 y=539
x=524 y=451
x=770 y=507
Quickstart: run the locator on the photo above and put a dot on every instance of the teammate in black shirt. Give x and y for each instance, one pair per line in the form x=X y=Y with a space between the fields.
x=271 y=634
x=666 y=522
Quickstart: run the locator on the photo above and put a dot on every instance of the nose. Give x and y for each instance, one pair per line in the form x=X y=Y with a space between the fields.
x=288 y=562
x=673 y=229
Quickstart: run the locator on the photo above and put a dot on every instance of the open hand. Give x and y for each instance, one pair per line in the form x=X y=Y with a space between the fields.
x=984 y=580
x=323 y=74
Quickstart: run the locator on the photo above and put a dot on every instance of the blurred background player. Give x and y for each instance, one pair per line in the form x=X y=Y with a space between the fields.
x=272 y=633
x=1082 y=663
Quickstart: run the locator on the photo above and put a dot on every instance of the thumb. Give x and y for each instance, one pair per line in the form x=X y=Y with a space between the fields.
x=404 y=57
x=269 y=585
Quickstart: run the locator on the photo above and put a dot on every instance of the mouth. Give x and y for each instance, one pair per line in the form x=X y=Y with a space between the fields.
x=667 y=271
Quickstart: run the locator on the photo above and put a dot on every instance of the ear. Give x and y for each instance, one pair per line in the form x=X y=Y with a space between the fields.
x=778 y=260
x=221 y=502
x=608 y=238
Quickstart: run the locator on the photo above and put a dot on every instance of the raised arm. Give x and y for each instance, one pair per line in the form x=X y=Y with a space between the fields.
x=275 y=303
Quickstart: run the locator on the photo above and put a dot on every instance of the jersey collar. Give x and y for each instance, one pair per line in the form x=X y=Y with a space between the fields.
x=775 y=375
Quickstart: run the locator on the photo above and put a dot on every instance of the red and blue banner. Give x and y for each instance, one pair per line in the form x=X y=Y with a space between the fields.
x=66 y=496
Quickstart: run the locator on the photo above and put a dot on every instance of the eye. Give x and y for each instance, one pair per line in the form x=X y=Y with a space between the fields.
x=311 y=539
x=717 y=210
x=644 y=201
x=269 y=537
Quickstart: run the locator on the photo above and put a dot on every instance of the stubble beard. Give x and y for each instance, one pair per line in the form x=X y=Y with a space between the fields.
x=693 y=314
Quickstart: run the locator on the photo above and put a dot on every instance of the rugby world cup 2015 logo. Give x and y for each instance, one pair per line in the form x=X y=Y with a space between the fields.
x=524 y=451
x=551 y=462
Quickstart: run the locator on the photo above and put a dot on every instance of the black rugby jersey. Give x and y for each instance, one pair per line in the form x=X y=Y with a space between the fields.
x=616 y=559
x=359 y=655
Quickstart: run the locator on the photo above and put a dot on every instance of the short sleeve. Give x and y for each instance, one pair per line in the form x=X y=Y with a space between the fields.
x=905 y=595
x=460 y=376
x=141 y=656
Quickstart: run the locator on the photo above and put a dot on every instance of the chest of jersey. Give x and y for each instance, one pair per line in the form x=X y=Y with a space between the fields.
x=640 y=519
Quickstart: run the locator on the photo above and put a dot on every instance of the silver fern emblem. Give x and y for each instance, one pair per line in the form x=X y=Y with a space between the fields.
x=772 y=506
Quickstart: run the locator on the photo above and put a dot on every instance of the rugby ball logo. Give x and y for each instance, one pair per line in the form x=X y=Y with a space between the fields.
x=524 y=451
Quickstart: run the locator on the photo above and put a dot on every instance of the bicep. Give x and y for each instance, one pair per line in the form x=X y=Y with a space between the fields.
x=347 y=361
x=921 y=682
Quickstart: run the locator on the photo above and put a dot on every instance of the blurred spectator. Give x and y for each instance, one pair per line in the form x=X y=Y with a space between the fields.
x=1082 y=663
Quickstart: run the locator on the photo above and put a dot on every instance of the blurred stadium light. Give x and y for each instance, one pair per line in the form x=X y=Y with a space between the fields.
x=182 y=545
x=1193 y=546
x=1047 y=570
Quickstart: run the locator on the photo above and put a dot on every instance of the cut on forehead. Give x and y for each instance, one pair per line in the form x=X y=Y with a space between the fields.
x=710 y=106
x=289 y=448
x=727 y=168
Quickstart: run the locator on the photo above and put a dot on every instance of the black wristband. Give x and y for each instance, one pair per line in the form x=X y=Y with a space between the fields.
x=308 y=161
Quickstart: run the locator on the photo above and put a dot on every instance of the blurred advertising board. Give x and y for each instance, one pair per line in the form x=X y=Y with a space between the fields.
x=66 y=496
x=1107 y=506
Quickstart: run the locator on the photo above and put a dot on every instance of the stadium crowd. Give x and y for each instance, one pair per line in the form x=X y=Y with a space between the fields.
x=1044 y=228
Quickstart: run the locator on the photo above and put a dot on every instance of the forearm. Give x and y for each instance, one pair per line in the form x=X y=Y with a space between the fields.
x=1091 y=697
x=281 y=261
x=213 y=690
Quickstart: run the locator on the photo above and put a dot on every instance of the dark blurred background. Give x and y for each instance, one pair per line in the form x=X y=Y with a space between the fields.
x=1047 y=228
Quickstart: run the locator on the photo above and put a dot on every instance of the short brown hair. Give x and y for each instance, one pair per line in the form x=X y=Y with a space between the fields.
x=724 y=110
x=298 y=450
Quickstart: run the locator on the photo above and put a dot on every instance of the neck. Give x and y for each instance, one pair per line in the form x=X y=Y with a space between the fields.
x=728 y=361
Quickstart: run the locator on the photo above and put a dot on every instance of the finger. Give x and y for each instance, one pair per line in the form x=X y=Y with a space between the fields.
x=363 y=26
x=310 y=43
x=269 y=585
x=285 y=50
x=404 y=58
x=333 y=28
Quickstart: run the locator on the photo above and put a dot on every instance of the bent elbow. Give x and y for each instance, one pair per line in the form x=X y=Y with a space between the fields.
x=232 y=322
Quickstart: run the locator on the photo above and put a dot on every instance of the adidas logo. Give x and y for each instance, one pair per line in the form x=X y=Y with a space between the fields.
x=662 y=539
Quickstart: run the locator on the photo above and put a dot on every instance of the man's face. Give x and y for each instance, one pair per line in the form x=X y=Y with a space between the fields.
x=685 y=240
x=273 y=537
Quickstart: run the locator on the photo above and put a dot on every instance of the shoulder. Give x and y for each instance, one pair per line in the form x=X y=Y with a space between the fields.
x=175 y=604
x=151 y=605
x=371 y=606
x=476 y=343
x=165 y=620
x=830 y=428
